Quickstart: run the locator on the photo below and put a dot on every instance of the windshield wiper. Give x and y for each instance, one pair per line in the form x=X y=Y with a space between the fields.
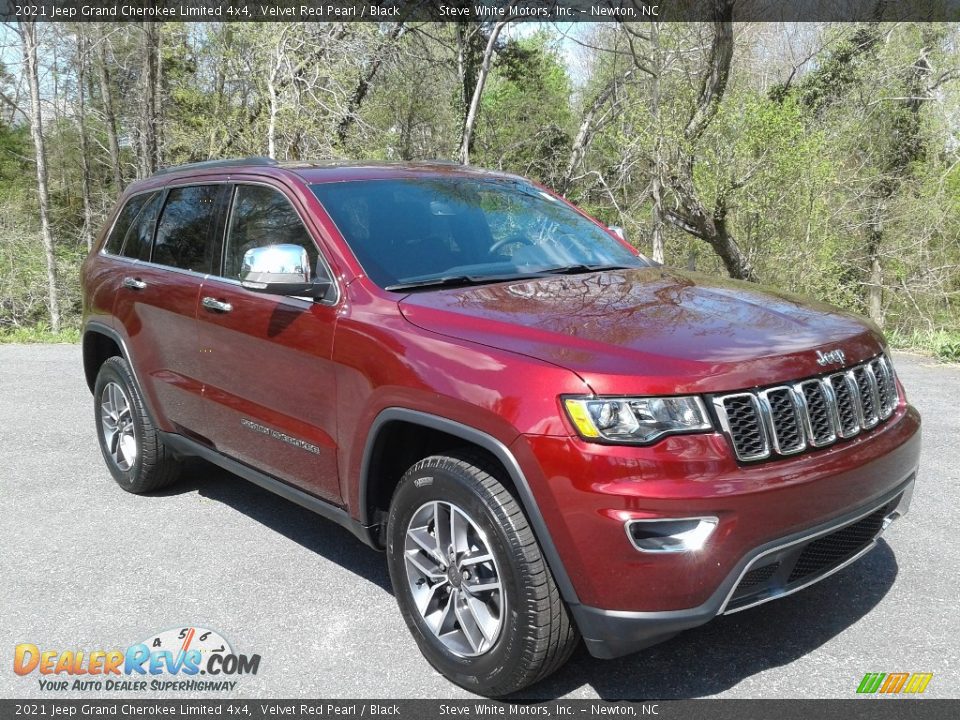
x=582 y=268
x=458 y=281
x=467 y=280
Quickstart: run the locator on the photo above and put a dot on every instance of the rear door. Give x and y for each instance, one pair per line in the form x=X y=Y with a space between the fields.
x=266 y=359
x=170 y=250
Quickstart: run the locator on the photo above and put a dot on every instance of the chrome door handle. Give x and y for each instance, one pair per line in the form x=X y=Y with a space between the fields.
x=134 y=283
x=216 y=305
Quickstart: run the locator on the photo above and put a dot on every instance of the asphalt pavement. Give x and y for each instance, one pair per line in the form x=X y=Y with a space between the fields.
x=85 y=565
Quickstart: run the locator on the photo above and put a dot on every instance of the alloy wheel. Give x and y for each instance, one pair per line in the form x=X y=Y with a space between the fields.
x=454 y=578
x=119 y=436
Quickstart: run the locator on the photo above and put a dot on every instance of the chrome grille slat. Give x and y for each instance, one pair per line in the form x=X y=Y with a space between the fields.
x=818 y=412
x=782 y=414
x=813 y=413
x=886 y=386
x=742 y=417
x=848 y=408
x=869 y=397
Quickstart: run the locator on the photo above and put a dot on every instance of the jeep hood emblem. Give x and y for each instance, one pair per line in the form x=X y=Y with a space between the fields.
x=833 y=356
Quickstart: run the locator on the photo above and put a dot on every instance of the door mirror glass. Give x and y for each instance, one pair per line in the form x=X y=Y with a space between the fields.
x=281 y=270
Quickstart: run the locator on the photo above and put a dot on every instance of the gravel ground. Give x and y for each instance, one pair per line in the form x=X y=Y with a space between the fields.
x=86 y=565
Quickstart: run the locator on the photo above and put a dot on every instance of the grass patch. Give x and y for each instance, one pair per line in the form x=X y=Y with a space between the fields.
x=942 y=344
x=38 y=334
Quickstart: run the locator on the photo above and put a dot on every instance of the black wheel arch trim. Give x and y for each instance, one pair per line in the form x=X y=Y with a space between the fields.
x=496 y=448
x=93 y=326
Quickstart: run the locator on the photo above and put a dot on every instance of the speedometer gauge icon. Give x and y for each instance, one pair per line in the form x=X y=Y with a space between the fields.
x=184 y=639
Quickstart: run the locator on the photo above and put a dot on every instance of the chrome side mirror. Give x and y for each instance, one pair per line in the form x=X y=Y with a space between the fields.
x=618 y=231
x=281 y=270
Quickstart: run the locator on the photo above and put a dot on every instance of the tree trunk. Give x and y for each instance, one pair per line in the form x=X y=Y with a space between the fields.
x=82 y=47
x=273 y=99
x=587 y=130
x=363 y=85
x=109 y=115
x=656 y=231
x=656 y=190
x=158 y=126
x=898 y=168
x=28 y=34
x=148 y=116
x=690 y=214
x=470 y=120
x=711 y=227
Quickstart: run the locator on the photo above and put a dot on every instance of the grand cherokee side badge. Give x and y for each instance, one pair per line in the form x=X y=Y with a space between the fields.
x=834 y=356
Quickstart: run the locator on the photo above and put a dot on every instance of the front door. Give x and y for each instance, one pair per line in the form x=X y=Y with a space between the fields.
x=266 y=359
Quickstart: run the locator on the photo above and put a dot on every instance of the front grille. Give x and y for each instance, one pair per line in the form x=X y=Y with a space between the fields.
x=813 y=413
x=831 y=550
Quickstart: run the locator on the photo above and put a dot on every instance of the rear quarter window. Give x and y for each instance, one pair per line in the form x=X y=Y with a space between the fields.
x=140 y=236
x=125 y=219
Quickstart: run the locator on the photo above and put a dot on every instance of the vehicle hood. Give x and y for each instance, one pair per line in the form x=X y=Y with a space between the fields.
x=650 y=330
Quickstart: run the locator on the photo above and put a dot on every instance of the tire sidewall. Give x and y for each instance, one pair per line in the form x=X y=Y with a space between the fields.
x=475 y=673
x=113 y=371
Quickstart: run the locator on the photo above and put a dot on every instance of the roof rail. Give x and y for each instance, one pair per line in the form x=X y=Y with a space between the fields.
x=213 y=164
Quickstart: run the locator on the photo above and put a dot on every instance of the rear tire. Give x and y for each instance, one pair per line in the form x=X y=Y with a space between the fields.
x=130 y=443
x=490 y=641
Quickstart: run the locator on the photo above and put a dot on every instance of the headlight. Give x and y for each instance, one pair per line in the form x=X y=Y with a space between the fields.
x=635 y=419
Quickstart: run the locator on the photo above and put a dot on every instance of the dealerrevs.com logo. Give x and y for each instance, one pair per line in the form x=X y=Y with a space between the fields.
x=191 y=659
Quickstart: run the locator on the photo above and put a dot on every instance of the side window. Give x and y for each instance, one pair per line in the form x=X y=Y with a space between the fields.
x=140 y=235
x=263 y=216
x=123 y=222
x=185 y=230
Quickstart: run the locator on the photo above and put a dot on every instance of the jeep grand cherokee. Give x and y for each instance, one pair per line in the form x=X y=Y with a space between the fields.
x=551 y=437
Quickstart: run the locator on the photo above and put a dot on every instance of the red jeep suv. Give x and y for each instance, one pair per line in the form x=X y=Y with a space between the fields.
x=551 y=436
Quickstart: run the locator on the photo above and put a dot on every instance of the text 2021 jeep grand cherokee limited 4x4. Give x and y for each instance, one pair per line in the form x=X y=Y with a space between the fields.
x=551 y=437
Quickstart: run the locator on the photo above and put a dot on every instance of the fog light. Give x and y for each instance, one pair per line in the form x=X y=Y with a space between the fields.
x=670 y=535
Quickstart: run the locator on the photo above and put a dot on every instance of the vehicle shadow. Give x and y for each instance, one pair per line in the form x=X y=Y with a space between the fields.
x=718 y=655
x=697 y=663
x=304 y=527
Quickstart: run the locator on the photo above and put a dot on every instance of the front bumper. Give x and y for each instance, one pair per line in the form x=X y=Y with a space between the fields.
x=768 y=514
x=612 y=633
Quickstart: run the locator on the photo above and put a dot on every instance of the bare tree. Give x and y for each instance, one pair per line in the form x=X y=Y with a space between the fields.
x=589 y=125
x=277 y=61
x=365 y=80
x=109 y=114
x=896 y=166
x=28 y=37
x=688 y=211
x=81 y=115
x=471 y=117
x=148 y=81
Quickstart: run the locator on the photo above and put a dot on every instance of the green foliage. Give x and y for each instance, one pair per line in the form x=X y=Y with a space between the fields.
x=525 y=115
x=942 y=344
x=39 y=333
x=800 y=171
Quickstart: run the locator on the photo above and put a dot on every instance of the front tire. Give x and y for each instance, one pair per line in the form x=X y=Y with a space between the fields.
x=130 y=443
x=470 y=579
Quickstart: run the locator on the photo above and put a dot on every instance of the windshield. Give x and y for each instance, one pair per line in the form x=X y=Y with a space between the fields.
x=423 y=232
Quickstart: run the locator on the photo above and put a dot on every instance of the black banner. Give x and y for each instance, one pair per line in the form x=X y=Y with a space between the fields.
x=864 y=708
x=475 y=10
